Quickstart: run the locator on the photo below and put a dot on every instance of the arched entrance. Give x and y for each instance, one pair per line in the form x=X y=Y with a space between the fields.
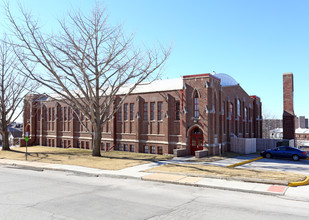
x=196 y=140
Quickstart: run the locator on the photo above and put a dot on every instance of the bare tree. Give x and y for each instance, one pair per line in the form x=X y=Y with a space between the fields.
x=13 y=88
x=87 y=64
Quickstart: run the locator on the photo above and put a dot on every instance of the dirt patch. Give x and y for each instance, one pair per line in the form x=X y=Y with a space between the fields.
x=113 y=160
x=228 y=173
x=216 y=158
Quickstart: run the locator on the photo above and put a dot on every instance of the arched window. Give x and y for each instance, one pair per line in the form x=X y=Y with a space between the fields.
x=196 y=110
x=238 y=108
x=239 y=114
x=231 y=114
x=215 y=114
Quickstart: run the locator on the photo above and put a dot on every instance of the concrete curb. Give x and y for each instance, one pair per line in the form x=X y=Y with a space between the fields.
x=98 y=174
x=240 y=179
x=219 y=187
x=80 y=173
x=291 y=184
x=301 y=183
x=244 y=162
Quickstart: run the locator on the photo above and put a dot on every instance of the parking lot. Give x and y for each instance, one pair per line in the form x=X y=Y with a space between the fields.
x=286 y=165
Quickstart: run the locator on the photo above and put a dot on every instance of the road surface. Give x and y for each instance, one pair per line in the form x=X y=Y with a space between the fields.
x=36 y=194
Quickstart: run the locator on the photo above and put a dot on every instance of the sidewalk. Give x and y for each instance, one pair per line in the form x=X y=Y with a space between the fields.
x=136 y=172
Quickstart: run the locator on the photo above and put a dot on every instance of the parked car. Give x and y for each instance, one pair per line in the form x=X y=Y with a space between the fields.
x=285 y=152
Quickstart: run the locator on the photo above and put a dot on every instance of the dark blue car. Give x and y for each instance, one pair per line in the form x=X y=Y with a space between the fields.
x=285 y=152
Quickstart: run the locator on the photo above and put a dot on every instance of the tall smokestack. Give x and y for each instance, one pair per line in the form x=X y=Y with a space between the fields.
x=288 y=107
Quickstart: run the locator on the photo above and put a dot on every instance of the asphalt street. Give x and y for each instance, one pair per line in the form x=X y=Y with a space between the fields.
x=36 y=194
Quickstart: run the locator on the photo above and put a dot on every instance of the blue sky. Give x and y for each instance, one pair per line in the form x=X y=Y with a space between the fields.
x=253 y=41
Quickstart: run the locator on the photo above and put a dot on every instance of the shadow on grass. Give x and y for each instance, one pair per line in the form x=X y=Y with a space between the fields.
x=71 y=155
x=150 y=159
x=220 y=170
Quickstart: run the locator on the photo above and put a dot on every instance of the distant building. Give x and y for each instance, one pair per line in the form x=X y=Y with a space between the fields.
x=301 y=135
x=301 y=122
x=15 y=133
x=270 y=124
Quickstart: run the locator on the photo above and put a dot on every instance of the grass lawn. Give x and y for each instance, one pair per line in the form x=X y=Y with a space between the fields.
x=224 y=172
x=113 y=160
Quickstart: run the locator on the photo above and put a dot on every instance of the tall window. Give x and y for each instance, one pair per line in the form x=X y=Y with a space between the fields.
x=49 y=114
x=231 y=114
x=152 y=109
x=65 y=113
x=120 y=113
x=246 y=119
x=239 y=113
x=132 y=111
x=215 y=113
x=196 y=110
x=177 y=110
x=160 y=110
x=69 y=113
x=54 y=116
x=125 y=109
x=238 y=107
x=224 y=118
x=145 y=111
x=61 y=113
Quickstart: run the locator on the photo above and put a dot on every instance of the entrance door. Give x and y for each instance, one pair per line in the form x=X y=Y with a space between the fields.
x=196 y=140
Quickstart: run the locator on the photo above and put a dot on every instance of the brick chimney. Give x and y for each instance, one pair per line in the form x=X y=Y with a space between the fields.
x=288 y=107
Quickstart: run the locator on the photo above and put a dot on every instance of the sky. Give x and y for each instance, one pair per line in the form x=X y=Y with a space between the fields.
x=253 y=41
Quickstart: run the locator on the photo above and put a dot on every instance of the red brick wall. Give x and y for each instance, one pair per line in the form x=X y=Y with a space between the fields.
x=163 y=135
x=288 y=107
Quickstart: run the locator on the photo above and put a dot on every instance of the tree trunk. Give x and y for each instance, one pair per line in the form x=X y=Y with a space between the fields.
x=96 y=146
x=5 y=140
x=5 y=133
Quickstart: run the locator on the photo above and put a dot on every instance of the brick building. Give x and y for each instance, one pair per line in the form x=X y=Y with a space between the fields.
x=192 y=113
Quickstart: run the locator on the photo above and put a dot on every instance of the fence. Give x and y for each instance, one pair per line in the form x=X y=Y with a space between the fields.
x=252 y=145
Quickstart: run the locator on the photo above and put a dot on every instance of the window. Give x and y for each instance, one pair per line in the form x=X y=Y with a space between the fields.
x=145 y=111
x=246 y=119
x=132 y=148
x=65 y=113
x=196 y=109
x=54 y=116
x=224 y=119
x=120 y=113
x=61 y=113
x=132 y=111
x=102 y=146
x=119 y=147
x=49 y=114
x=231 y=114
x=125 y=109
x=215 y=113
x=69 y=113
x=152 y=108
x=239 y=114
x=160 y=110
x=153 y=149
x=177 y=110
x=238 y=107
x=108 y=145
x=126 y=147
x=146 y=149
x=160 y=150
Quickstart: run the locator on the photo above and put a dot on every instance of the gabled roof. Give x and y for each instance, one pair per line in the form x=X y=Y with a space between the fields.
x=15 y=132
